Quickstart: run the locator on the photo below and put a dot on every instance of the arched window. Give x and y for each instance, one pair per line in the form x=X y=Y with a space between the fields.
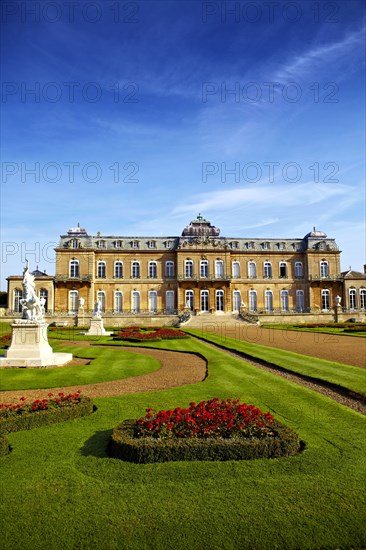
x=169 y=269
x=73 y=301
x=101 y=270
x=363 y=298
x=236 y=301
x=284 y=300
x=169 y=299
x=74 y=268
x=219 y=269
x=267 y=272
x=153 y=270
x=324 y=268
x=219 y=300
x=325 y=300
x=43 y=294
x=188 y=269
x=118 y=270
x=118 y=302
x=283 y=270
x=252 y=300
x=300 y=301
x=268 y=301
x=352 y=298
x=135 y=301
x=135 y=273
x=298 y=270
x=189 y=299
x=252 y=270
x=205 y=301
x=204 y=268
x=236 y=270
x=101 y=298
x=18 y=295
x=153 y=301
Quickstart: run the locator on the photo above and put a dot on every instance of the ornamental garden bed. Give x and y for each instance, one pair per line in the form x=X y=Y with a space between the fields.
x=26 y=415
x=140 y=334
x=212 y=430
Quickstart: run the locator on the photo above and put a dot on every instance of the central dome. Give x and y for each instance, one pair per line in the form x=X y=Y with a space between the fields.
x=200 y=228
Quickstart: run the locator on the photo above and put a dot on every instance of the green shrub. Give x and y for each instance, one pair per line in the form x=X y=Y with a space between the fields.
x=39 y=418
x=144 y=450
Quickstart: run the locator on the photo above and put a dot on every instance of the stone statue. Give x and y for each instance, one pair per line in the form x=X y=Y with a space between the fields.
x=32 y=306
x=81 y=303
x=98 y=309
x=338 y=300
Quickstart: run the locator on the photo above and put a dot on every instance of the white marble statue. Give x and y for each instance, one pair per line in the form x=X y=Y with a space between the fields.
x=338 y=300
x=98 y=309
x=81 y=303
x=32 y=306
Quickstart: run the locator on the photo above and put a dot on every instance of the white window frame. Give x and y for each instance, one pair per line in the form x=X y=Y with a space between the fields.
x=189 y=299
x=170 y=301
x=101 y=298
x=118 y=301
x=169 y=269
x=284 y=300
x=135 y=301
x=235 y=267
x=300 y=301
x=18 y=296
x=268 y=301
x=252 y=270
x=153 y=269
x=74 y=269
x=220 y=300
x=352 y=296
x=43 y=293
x=325 y=295
x=205 y=301
x=204 y=269
x=219 y=269
x=135 y=270
x=363 y=298
x=188 y=269
x=101 y=269
x=118 y=269
x=299 y=270
x=253 y=300
x=236 y=301
x=267 y=270
x=283 y=270
x=153 y=301
x=324 y=268
x=73 y=301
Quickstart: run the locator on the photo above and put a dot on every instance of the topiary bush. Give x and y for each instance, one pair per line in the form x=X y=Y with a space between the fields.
x=211 y=430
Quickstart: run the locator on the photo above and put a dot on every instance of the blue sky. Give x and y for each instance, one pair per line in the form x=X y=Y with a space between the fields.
x=251 y=113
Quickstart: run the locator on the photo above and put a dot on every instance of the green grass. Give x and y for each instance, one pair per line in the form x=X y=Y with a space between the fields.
x=323 y=330
x=106 y=365
x=60 y=491
x=347 y=376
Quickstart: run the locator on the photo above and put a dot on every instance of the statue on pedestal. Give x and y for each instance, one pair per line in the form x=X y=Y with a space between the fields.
x=32 y=306
x=98 y=309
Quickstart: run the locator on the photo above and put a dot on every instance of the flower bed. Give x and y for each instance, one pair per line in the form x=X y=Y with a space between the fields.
x=211 y=430
x=26 y=415
x=137 y=334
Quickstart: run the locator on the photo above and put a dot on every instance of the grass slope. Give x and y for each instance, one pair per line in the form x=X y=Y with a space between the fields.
x=347 y=376
x=60 y=491
x=107 y=364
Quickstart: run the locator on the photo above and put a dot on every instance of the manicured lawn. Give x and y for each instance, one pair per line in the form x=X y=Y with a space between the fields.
x=347 y=376
x=60 y=491
x=106 y=365
x=324 y=330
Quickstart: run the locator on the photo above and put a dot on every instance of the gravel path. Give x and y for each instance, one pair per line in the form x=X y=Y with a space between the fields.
x=177 y=369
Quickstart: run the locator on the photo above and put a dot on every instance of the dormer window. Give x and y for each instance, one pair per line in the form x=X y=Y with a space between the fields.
x=135 y=244
x=151 y=244
x=169 y=244
x=250 y=245
x=74 y=243
x=281 y=246
x=321 y=246
x=234 y=244
x=101 y=244
x=265 y=245
x=296 y=246
x=118 y=244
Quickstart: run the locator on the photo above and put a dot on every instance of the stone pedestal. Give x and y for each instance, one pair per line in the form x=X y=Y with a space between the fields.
x=97 y=328
x=30 y=348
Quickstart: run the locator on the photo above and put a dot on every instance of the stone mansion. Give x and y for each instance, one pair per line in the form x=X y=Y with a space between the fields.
x=199 y=270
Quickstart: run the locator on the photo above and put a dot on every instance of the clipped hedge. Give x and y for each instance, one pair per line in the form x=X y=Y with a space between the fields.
x=46 y=417
x=144 y=450
x=4 y=445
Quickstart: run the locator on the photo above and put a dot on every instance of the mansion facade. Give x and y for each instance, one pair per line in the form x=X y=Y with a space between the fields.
x=199 y=270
